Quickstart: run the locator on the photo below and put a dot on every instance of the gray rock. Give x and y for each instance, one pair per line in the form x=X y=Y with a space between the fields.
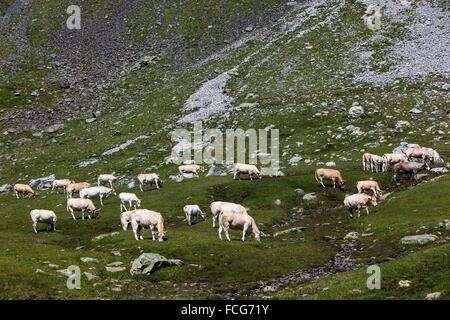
x=43 y=183
x=309 y=197
x=88 y=260
x=300 y=191
x=401 y=124
x=295 y=159
x=433 y=296
x=115 y=269
x=331 y=164
x=115 y=264
x=356 y=111
x=291 y=230
x=440 y=112
x=148 y=263
x=249 y=29
x=447 y=225
x=90 y=120
x=131 y=185
x=216 y=171
x=440 y=170
x=178 y=178
x=63 y=83
x=418 y=239
x=415 y=111
x=105 y=235
x=5 y=188
x=89 y=276
x=55 y=127
x=352 y=235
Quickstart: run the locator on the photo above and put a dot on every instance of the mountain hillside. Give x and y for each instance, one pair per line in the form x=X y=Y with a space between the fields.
x=106 y=98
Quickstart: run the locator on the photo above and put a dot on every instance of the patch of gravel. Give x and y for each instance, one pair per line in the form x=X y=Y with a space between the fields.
x=425 y=49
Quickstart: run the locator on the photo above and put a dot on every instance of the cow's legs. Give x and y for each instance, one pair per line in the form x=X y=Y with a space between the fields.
x=334 y=183
x=244 y=232
x=17 y=195
x=101 y=199
x=220 y=232
x=34 y=226
x=140 y=187
x=226 y=233
x=321 y=182
x=82 y=214
x=71 y=212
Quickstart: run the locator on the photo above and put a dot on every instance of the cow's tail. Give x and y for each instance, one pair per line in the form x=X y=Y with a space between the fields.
x=316 y=176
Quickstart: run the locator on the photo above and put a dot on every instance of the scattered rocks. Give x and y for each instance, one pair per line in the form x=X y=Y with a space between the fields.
x=5 y=188
x=402 y=124
x=177 y=178
x=249 y=29
x=148 y=263
x=309 y=197
x=90 y=120
x=295 y=159
x=63 y=83
x=418 y=239
x=440 y=112
x=88 y=162
x=300 y=192
x=415 y=111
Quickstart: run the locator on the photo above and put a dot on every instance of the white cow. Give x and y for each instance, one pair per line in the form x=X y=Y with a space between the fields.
x=392 y=159
x=249 y=169
x=242 y=222
x=44 y=216
x=125 y=219
x=147 y=219
x=359 y=201
x=129 y=198
x=61 y=184
x=190 y=168
x=101 y=192
x=193 y=211
x=83 y=205
x=106 y=178
x=148 y=178
x=218 y=206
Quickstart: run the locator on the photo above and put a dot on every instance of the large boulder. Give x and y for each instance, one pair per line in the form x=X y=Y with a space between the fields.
x=43 y=183
x=405 y=145
x=418 y=239
x=147 y=263
x=440 y=170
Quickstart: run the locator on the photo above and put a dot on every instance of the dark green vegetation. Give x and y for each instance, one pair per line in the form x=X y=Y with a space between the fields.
x=302 y=83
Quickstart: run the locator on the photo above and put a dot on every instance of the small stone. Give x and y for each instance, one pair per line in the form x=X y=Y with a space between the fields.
x=418 y=239
x=309 y=197
x=433 y=296
x=404 y=283
x=115 y=269
x=89 y=260
x=90 y=120
x=352 y=235
x=300 y=192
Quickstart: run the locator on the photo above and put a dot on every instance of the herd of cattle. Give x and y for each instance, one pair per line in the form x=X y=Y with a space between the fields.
x=229 y=215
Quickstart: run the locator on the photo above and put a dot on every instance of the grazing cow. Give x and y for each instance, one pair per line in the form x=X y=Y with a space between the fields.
x=101 y=192
x=419 y=153
x=125 y=219
x=106 y=178
x=149 y=178
x=193 y=211
x=359 y=201
x=61 y=184
x=147 y=219
x=23 y=189
x=218 y=206
x=367 y=185
x=83 y=205
x=392 y=159
x=377 y=163
x=410 y=168
x=132 y=200
x=330 y=174
x=249 y=169
x=190 y=168
x=44 y=216
x=242 y=222
x=76 y=187
x=367 y=161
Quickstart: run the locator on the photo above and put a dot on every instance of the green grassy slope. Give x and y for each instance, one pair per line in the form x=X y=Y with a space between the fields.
x=301 y=83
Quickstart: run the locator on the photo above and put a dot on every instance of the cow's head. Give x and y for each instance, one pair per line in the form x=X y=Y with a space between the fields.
x=96 y=213
x=372 y=201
